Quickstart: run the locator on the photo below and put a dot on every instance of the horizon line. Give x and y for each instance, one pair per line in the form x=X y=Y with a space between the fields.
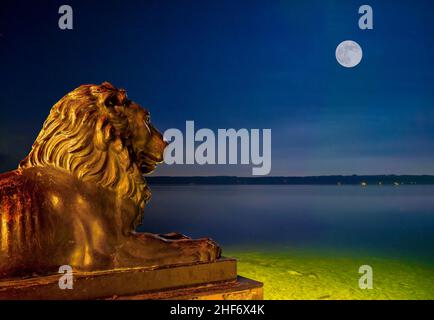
x=282 y=176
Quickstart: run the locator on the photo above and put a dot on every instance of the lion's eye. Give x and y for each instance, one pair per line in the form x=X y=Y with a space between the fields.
x=148 y=118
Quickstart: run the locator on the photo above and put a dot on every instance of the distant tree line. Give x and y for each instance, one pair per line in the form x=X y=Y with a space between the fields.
x=310 y=180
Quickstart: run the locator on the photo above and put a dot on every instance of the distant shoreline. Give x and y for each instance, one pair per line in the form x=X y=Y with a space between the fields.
x=308 y=180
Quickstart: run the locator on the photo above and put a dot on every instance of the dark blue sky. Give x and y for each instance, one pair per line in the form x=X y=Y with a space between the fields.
x=236 y=64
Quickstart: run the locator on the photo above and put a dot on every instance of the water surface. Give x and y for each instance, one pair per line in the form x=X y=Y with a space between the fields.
x=308 y=241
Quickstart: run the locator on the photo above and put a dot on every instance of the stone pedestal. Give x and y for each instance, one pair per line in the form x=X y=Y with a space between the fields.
x=217 y=280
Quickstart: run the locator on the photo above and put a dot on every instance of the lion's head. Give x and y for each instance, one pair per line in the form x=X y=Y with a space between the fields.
x=99 y=135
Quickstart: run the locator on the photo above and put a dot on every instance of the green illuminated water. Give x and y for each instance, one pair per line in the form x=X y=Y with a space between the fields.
x=288 y=274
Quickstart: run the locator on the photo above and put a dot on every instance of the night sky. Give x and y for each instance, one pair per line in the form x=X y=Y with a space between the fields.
x=236 y=64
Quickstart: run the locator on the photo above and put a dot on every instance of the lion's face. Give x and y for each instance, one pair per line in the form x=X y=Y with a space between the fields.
x=147 y=142
x=133 y=125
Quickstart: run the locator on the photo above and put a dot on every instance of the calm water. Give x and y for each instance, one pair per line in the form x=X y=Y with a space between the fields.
x=375 y=220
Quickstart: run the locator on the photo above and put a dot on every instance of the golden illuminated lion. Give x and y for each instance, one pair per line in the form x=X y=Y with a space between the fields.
x=77 y=198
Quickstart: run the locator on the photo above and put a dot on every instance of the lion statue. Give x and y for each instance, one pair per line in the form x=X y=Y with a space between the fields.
x=79 y=195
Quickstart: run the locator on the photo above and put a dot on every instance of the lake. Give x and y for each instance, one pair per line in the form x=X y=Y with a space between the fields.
x=384 y=220
x=326 y=227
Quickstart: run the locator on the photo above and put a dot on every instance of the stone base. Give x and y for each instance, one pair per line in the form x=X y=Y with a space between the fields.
x=240 y=289
x=217 y=280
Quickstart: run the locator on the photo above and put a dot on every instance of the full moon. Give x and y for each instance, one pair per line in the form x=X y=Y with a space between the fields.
x=349 y=53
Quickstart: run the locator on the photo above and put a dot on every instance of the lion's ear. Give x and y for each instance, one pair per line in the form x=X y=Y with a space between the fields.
x=104 y=133
x=122 y=97
x=111 y=101
x=116 y=98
